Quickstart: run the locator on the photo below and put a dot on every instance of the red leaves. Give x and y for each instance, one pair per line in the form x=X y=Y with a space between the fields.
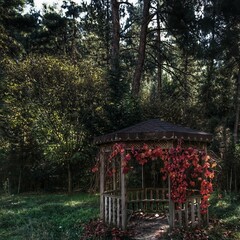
x=145 y=147
x=141 y=158
x=189 y=169
x=125 y=161
x=117 y=148
x=209 y=174
x=185 y=171
x=97 y=229
x=127 y=157
x=206 y=187
x=192 y=183
x=126 y=170
x=157 y=152
x=95 y=169
x=188 y=234
x=176 y=164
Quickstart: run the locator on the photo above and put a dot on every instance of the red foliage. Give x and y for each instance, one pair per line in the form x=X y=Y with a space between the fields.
x=97 y=229
x=95 y=168
x=188 y=234
x=188 y=169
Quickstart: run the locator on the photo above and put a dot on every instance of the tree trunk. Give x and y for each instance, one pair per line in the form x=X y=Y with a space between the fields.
x=7 y=187
x=235 y=133
x=74 y=37
x=115 y=73
x=236 y=124
x=230 y=180
x=19 y=180
x=210 y=68
x=116 y=36
x=108 y=34
x=235 y=180
x=69 y=178
x=159 y=56
x=186 y=86
x=141 y=50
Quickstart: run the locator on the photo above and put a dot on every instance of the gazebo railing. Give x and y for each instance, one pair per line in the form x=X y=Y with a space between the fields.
x=147 y=199
x=112 y=208
x=189 y=213
x=186 y=214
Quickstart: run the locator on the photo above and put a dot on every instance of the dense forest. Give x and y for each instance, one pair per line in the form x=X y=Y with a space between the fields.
x=80 y=70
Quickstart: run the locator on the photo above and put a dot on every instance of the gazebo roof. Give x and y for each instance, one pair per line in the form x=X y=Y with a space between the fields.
x=153 y=130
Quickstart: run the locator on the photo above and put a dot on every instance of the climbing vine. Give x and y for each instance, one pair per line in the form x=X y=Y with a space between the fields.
x=190 y=170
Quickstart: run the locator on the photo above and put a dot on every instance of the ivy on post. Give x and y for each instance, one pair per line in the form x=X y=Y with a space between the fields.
x=123 y=191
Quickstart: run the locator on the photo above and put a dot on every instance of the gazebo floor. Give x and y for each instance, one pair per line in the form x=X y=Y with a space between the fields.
x=148 y=226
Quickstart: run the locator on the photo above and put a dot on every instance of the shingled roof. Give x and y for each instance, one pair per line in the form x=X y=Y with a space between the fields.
x=153 y=130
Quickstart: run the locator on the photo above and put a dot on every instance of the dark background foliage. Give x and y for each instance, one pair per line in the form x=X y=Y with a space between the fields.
x=87 y=69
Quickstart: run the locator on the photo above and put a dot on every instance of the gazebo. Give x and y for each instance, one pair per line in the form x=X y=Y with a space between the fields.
x=143 y=190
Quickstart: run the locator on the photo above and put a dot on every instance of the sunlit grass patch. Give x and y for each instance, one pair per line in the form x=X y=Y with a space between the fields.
x=223 y=204
x=56 y=216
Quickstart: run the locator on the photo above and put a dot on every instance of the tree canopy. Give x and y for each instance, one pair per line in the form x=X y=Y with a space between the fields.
x=71 y=73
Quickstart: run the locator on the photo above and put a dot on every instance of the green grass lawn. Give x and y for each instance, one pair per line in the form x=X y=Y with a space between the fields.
x=55 y=216
x=60 y=217
x=225 y=216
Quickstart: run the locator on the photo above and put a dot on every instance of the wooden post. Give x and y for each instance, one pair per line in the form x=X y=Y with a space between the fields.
x=192 y=212
x=114 y=176
x=102 y=178
x=118 y=212
x=207 y=217
x=109 y=210
x=105 y=209
x=114 y=208
x=180 y=215
x=171 y=206
x=123 y=195
x=186 y=212
x=199 y=210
